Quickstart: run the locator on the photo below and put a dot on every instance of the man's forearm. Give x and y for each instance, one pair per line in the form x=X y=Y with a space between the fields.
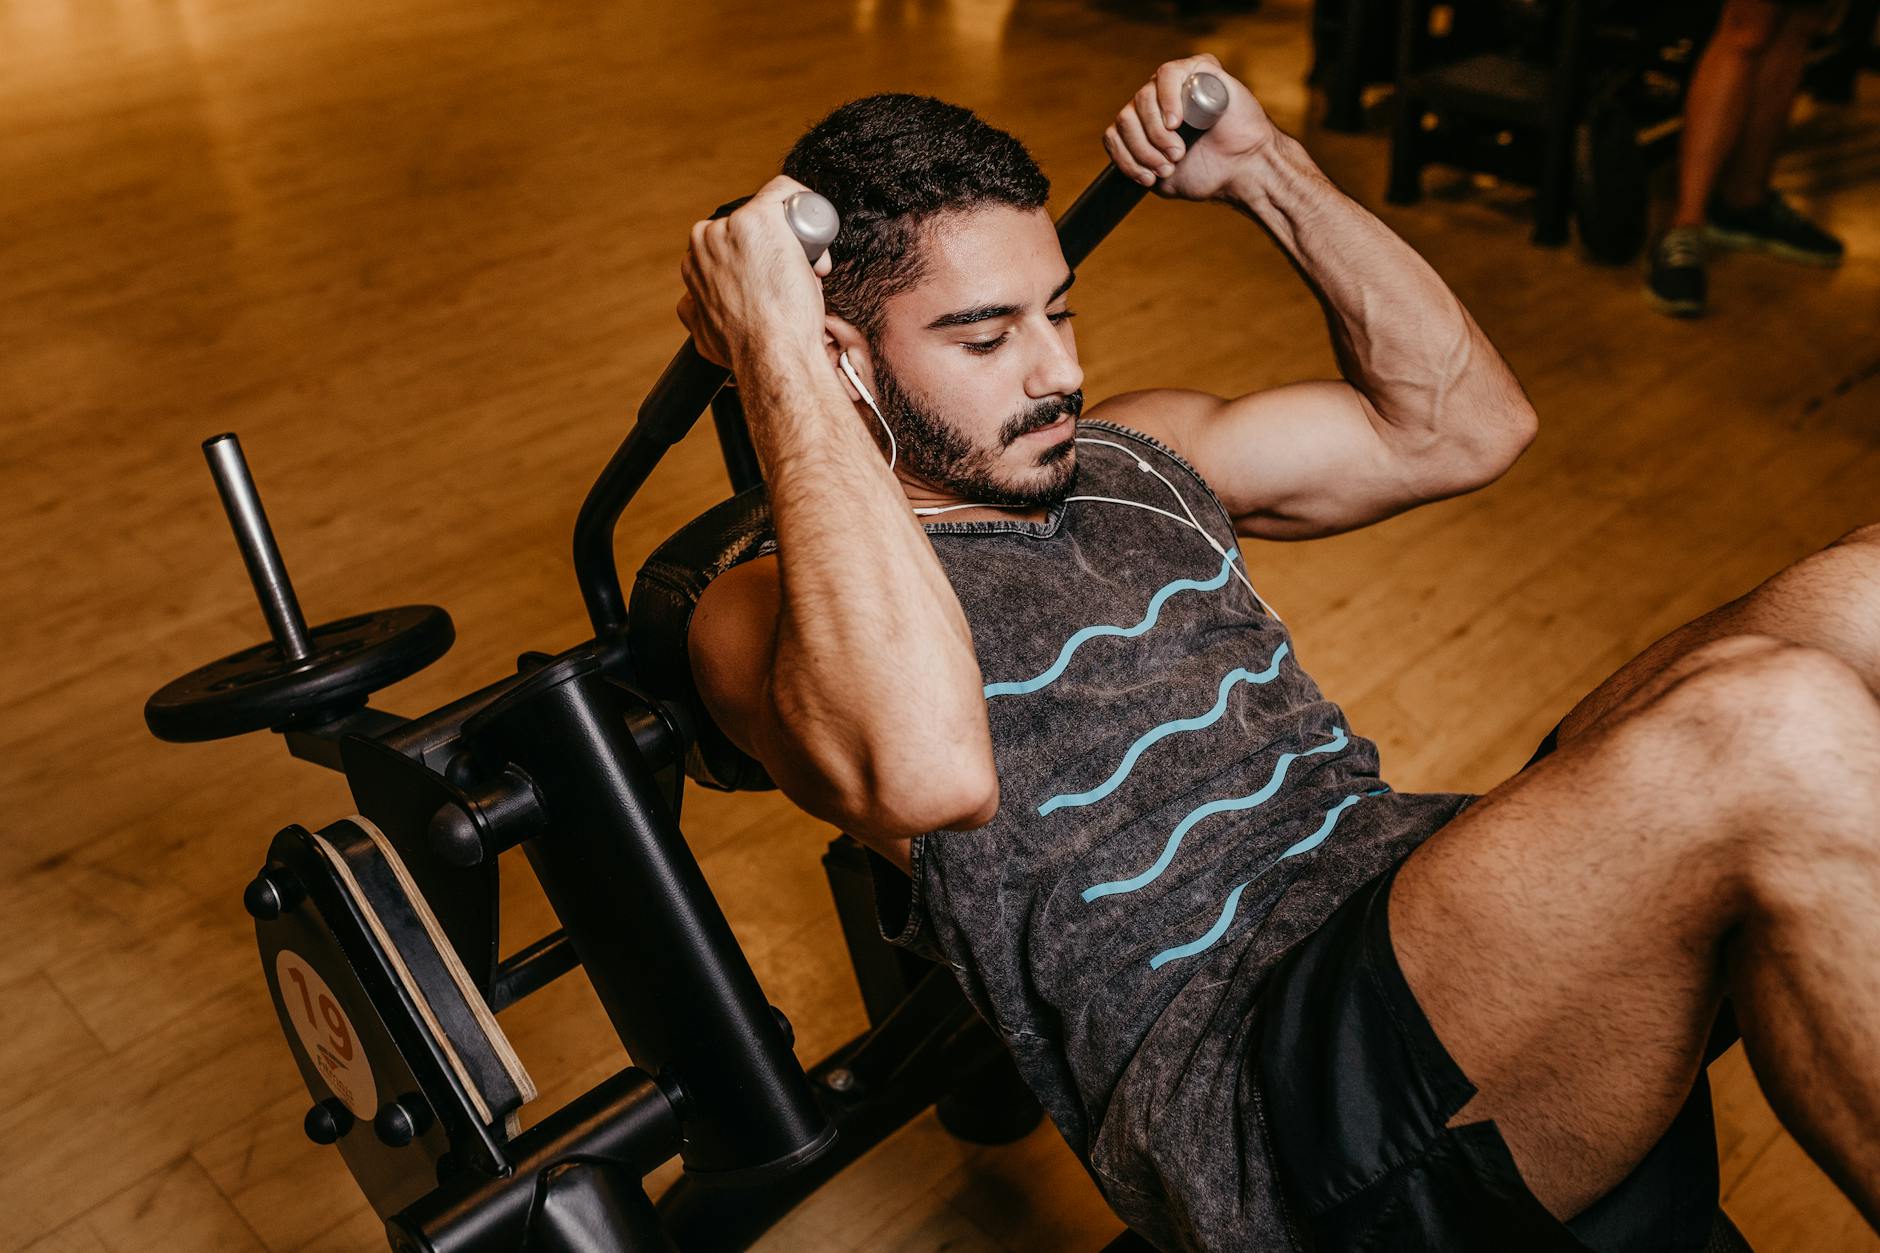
x=875 y=668
x=1402 y=338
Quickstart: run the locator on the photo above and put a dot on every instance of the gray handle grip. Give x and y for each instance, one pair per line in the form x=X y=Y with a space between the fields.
x=814 y=221
x=1204 y=99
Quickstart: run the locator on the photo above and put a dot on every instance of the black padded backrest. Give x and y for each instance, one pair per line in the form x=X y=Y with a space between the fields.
x=659 y=616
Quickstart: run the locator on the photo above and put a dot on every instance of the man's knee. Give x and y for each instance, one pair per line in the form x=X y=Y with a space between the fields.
x=1765 y=705
x=1736 y=721
x=1783 y=741
x=1747 y=27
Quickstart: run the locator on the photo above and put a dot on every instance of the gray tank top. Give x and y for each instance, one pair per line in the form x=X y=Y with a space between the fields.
x=1179 y=804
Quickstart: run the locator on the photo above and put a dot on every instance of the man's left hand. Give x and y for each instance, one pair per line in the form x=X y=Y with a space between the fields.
x=1143 y=143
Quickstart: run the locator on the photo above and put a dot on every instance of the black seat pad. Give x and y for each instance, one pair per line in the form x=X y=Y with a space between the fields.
x=659 y=616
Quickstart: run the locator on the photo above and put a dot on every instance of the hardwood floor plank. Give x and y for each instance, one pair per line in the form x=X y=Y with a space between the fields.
x=176 y=1210
x=288 y=1190
x=45 y=1040
x=151 y=1102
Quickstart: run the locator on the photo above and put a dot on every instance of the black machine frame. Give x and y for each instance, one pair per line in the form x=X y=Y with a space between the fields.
x=571 y=759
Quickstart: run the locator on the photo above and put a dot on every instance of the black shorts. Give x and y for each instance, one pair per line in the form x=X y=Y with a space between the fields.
x=1357 y=1091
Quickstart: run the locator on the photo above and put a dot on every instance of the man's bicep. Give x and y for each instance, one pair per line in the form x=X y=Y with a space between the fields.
x=1302 y=460
x=1309 y=459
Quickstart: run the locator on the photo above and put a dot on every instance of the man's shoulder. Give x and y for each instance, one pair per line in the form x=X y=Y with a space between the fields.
x=1162 y=413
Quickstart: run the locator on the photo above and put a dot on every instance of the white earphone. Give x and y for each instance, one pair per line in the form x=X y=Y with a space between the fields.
x=868 y=399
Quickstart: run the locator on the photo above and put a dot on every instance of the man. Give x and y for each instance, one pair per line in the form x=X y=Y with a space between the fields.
x=1270 y=1002
x=1735 y=114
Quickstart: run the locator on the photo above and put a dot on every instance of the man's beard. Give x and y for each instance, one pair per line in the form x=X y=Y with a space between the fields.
x=938 y=455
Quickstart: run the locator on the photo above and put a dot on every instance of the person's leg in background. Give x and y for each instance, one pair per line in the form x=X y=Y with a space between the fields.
x=1744 y=211
x=1715 y=108
x=1735 y=114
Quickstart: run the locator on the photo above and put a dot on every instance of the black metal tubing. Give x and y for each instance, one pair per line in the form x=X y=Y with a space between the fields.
x=595 y=1207
x=626 y=1121
x=434 y=738
x=534 y=968
x=431 y=738
x=734 y=438
x=1102 y=207
x=943 y=1043
x=661 y=957
x=666 y=414
x=320 y=744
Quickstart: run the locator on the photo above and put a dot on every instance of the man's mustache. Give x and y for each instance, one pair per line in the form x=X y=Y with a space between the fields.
x=1044 y=414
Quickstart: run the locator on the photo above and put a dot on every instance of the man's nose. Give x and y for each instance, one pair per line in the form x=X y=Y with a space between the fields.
x=1055 y=371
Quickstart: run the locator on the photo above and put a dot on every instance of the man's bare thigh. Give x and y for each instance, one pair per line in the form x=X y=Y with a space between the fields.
x=1562 y=935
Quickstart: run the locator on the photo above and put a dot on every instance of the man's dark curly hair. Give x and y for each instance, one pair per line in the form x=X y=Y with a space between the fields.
x=889 y=163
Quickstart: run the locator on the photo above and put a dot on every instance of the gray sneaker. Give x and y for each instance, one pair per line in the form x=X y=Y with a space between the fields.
x=1776 y=228
x=1677 y=284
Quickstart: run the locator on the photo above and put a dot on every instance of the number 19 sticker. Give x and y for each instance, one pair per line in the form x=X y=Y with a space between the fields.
x=326 y=1033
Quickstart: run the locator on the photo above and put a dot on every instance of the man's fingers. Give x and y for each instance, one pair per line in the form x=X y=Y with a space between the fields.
x=766 y=203
x=1165 y=105
x=704 y=338
x=688 y=273
x=700 y=240
x=1147 y=156
x=1119 y=156
x=1155 y=129
x=733 y=287
x=1168 y=91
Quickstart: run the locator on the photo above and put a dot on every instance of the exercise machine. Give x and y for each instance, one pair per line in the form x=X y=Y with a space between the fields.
x=379 y=934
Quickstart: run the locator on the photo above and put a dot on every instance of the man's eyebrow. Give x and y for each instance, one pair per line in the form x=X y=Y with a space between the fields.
x=986 y=313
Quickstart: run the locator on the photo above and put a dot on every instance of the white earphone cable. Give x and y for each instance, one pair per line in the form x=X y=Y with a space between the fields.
x=869 y=399
x=1190 y=521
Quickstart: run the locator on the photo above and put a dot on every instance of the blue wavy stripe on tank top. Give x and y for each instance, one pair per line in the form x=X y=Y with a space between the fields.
x=1317 y=837
x=1214 y=933
x=1335 y=744
x=1136 y=750
x=1089 y=633
x=1207 y=941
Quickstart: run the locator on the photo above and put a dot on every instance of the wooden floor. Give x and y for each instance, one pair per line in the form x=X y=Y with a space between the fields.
x=422 y=255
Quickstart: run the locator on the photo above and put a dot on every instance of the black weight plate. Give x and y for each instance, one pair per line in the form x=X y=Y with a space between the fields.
x=258 y=688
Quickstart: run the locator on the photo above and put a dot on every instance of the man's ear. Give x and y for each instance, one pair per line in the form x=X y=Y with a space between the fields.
x=840 y=336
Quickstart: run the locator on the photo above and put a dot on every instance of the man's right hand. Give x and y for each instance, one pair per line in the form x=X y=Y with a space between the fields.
x=747 y=284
